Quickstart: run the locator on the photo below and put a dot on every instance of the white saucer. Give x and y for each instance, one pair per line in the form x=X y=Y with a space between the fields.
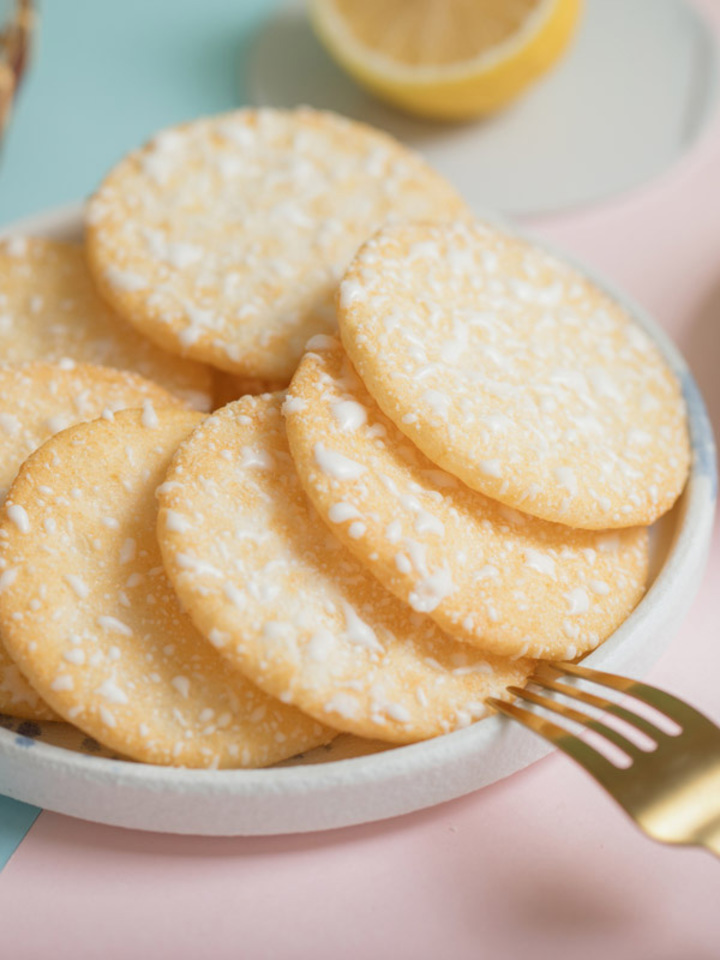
x=635 y=91
x=57 y=768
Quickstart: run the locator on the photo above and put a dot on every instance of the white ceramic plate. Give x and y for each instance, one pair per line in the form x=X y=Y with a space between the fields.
x=55 y=767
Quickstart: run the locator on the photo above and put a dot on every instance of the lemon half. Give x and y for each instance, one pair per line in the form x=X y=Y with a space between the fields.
x=448 y=59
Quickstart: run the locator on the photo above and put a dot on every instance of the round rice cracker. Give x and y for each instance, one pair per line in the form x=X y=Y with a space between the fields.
x=283 y=601
x=50 y=310
x=91 y=619
x=224 y=239
x=17 y=697
x=506 y=582
x=515 y=373
x=36 y=401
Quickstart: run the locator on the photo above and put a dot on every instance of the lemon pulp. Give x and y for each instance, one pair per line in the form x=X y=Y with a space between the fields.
x=449 y=59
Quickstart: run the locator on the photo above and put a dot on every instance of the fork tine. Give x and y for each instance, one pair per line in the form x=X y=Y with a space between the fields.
x=587 y=722
x=593 y=762
x=673 y=708
x=592 y=700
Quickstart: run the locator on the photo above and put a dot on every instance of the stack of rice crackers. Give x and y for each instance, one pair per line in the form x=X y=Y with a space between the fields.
x=434 y=453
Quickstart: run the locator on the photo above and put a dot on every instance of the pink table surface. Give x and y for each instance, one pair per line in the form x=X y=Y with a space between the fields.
x=541 y=865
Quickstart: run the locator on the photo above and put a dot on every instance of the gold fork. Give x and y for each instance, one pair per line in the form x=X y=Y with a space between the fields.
x=671 y=790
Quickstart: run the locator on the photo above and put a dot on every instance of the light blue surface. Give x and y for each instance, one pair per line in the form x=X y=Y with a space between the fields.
x=107 y=74
x=15 y=821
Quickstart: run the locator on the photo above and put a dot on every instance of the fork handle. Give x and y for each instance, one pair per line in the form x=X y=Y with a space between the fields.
x=711 y=839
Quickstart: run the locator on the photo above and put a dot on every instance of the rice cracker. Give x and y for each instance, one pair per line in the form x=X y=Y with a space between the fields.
x=37 y=400
x=224 y=239
x=284 y=601
x=514 y=372
x=51 y=310
x=504 y=581
x=90 y=617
